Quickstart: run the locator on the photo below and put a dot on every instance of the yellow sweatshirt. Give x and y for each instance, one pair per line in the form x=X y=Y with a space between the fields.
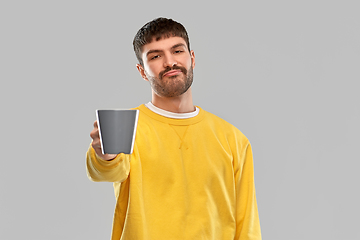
x=187 y=179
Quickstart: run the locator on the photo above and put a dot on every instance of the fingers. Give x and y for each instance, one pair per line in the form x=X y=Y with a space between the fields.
x=94 y=134
x=96 y=144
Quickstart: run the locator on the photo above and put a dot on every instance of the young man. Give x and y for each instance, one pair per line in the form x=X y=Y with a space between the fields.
x=191 y=173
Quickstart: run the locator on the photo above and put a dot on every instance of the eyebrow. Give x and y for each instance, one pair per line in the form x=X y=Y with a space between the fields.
x=173 y=47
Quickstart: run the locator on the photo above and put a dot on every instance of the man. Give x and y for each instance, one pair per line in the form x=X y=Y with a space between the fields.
x=191 y=173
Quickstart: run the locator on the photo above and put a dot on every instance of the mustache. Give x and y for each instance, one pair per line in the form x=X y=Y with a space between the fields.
x=168 y=69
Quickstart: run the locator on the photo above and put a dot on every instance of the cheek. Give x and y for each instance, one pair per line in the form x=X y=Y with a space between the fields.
x=151 y=70
x=189 y=63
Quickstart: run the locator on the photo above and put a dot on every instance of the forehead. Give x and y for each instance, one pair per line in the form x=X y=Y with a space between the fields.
x=162 y=44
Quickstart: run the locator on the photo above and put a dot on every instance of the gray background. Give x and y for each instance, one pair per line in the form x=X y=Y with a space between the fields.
x=286 y=73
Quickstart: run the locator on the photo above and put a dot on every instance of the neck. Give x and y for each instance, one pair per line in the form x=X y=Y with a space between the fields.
x=180 y=104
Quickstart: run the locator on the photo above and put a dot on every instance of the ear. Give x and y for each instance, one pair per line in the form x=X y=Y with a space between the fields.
x=141 y=70
x=192 y=55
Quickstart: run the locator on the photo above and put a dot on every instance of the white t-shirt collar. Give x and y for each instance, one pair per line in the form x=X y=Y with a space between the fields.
x=168 y=114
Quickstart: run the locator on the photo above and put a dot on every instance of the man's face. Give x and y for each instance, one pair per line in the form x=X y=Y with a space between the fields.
x=168 y=66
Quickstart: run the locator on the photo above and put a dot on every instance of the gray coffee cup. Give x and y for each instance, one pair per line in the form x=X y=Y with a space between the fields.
x=117 y=129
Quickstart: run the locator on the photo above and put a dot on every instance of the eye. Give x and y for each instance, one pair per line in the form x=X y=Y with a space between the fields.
x=154 y=57
x=178 y=51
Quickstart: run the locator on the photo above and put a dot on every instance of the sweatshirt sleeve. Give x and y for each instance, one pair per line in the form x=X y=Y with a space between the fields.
x=247 y=217
x=99 y=170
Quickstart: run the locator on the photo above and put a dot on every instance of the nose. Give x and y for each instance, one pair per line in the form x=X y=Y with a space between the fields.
x=169 y=61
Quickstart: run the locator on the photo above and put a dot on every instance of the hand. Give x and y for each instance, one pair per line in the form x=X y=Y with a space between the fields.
x=96 y=144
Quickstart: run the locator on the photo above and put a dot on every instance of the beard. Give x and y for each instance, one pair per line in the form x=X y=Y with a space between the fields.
x=172 y=86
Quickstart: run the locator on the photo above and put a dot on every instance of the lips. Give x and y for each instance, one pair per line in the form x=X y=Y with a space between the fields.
x=172 y=73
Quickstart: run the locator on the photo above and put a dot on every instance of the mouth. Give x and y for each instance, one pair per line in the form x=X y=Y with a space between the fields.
x=172 y=73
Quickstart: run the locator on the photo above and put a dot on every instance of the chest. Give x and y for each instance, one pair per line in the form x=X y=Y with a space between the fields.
x=172 y=155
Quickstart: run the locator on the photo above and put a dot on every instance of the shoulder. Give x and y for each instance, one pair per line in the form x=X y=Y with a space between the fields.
x=225 y=127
